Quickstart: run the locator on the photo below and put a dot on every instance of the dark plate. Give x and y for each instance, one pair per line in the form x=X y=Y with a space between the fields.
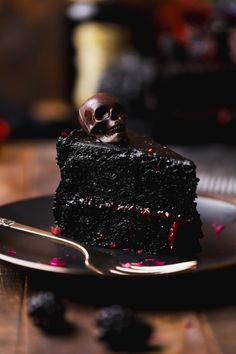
x=218 y=248
x=210 y=284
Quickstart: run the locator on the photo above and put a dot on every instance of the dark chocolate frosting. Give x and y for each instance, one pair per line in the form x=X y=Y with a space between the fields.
x=134 y=142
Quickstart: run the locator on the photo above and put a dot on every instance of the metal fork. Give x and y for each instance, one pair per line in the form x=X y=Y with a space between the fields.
x=98 y=261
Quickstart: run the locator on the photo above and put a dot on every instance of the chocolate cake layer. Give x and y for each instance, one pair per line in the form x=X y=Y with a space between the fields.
x=138 y=196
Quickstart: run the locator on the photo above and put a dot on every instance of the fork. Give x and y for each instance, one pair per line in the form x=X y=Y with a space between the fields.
x=98 y=261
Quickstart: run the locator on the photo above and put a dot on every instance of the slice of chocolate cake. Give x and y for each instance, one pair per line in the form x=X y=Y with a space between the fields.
x=122 y=190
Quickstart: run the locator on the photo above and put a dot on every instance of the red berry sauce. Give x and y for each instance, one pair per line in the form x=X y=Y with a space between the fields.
x=140 y=251
x=57 y=262
x=218 y=228
x=11 y=251
x=173 y=233
x=55 y=230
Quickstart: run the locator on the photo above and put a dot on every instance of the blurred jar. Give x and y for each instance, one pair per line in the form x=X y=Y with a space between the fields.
x=101 y=32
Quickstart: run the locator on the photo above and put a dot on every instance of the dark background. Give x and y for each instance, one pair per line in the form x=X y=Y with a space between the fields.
x=178 y=83
x=32 y=50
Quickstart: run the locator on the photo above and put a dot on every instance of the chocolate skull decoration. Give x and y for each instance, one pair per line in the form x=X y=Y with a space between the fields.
x=104 y=117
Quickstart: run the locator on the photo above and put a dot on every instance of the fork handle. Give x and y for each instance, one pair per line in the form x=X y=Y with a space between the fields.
x=10 y=224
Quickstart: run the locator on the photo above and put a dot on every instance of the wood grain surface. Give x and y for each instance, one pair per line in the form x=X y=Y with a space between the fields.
x=29 y=169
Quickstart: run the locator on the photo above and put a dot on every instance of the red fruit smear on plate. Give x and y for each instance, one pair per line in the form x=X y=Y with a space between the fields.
x=55 y=230
x=137 y=264
x=57 y=262
x=155 y=262
x=218 y=228
x=126 y=265
x=159 y=263
x=140 y=251
x=11 y=251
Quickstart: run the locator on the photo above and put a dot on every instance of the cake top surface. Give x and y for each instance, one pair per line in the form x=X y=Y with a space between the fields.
x=136 y=143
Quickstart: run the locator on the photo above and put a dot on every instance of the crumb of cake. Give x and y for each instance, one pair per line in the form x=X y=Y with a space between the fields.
x=126 y=265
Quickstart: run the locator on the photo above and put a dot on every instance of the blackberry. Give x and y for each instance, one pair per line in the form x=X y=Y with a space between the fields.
x=121 y=329
x=47 y=312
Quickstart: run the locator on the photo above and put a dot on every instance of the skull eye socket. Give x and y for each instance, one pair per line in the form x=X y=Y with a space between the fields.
x=102 y=112
x=119 y=109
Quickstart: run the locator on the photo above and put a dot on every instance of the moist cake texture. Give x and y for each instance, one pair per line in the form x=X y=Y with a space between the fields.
x=136 y=195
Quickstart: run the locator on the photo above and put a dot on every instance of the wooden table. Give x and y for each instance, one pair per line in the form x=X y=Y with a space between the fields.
x=28 y=170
